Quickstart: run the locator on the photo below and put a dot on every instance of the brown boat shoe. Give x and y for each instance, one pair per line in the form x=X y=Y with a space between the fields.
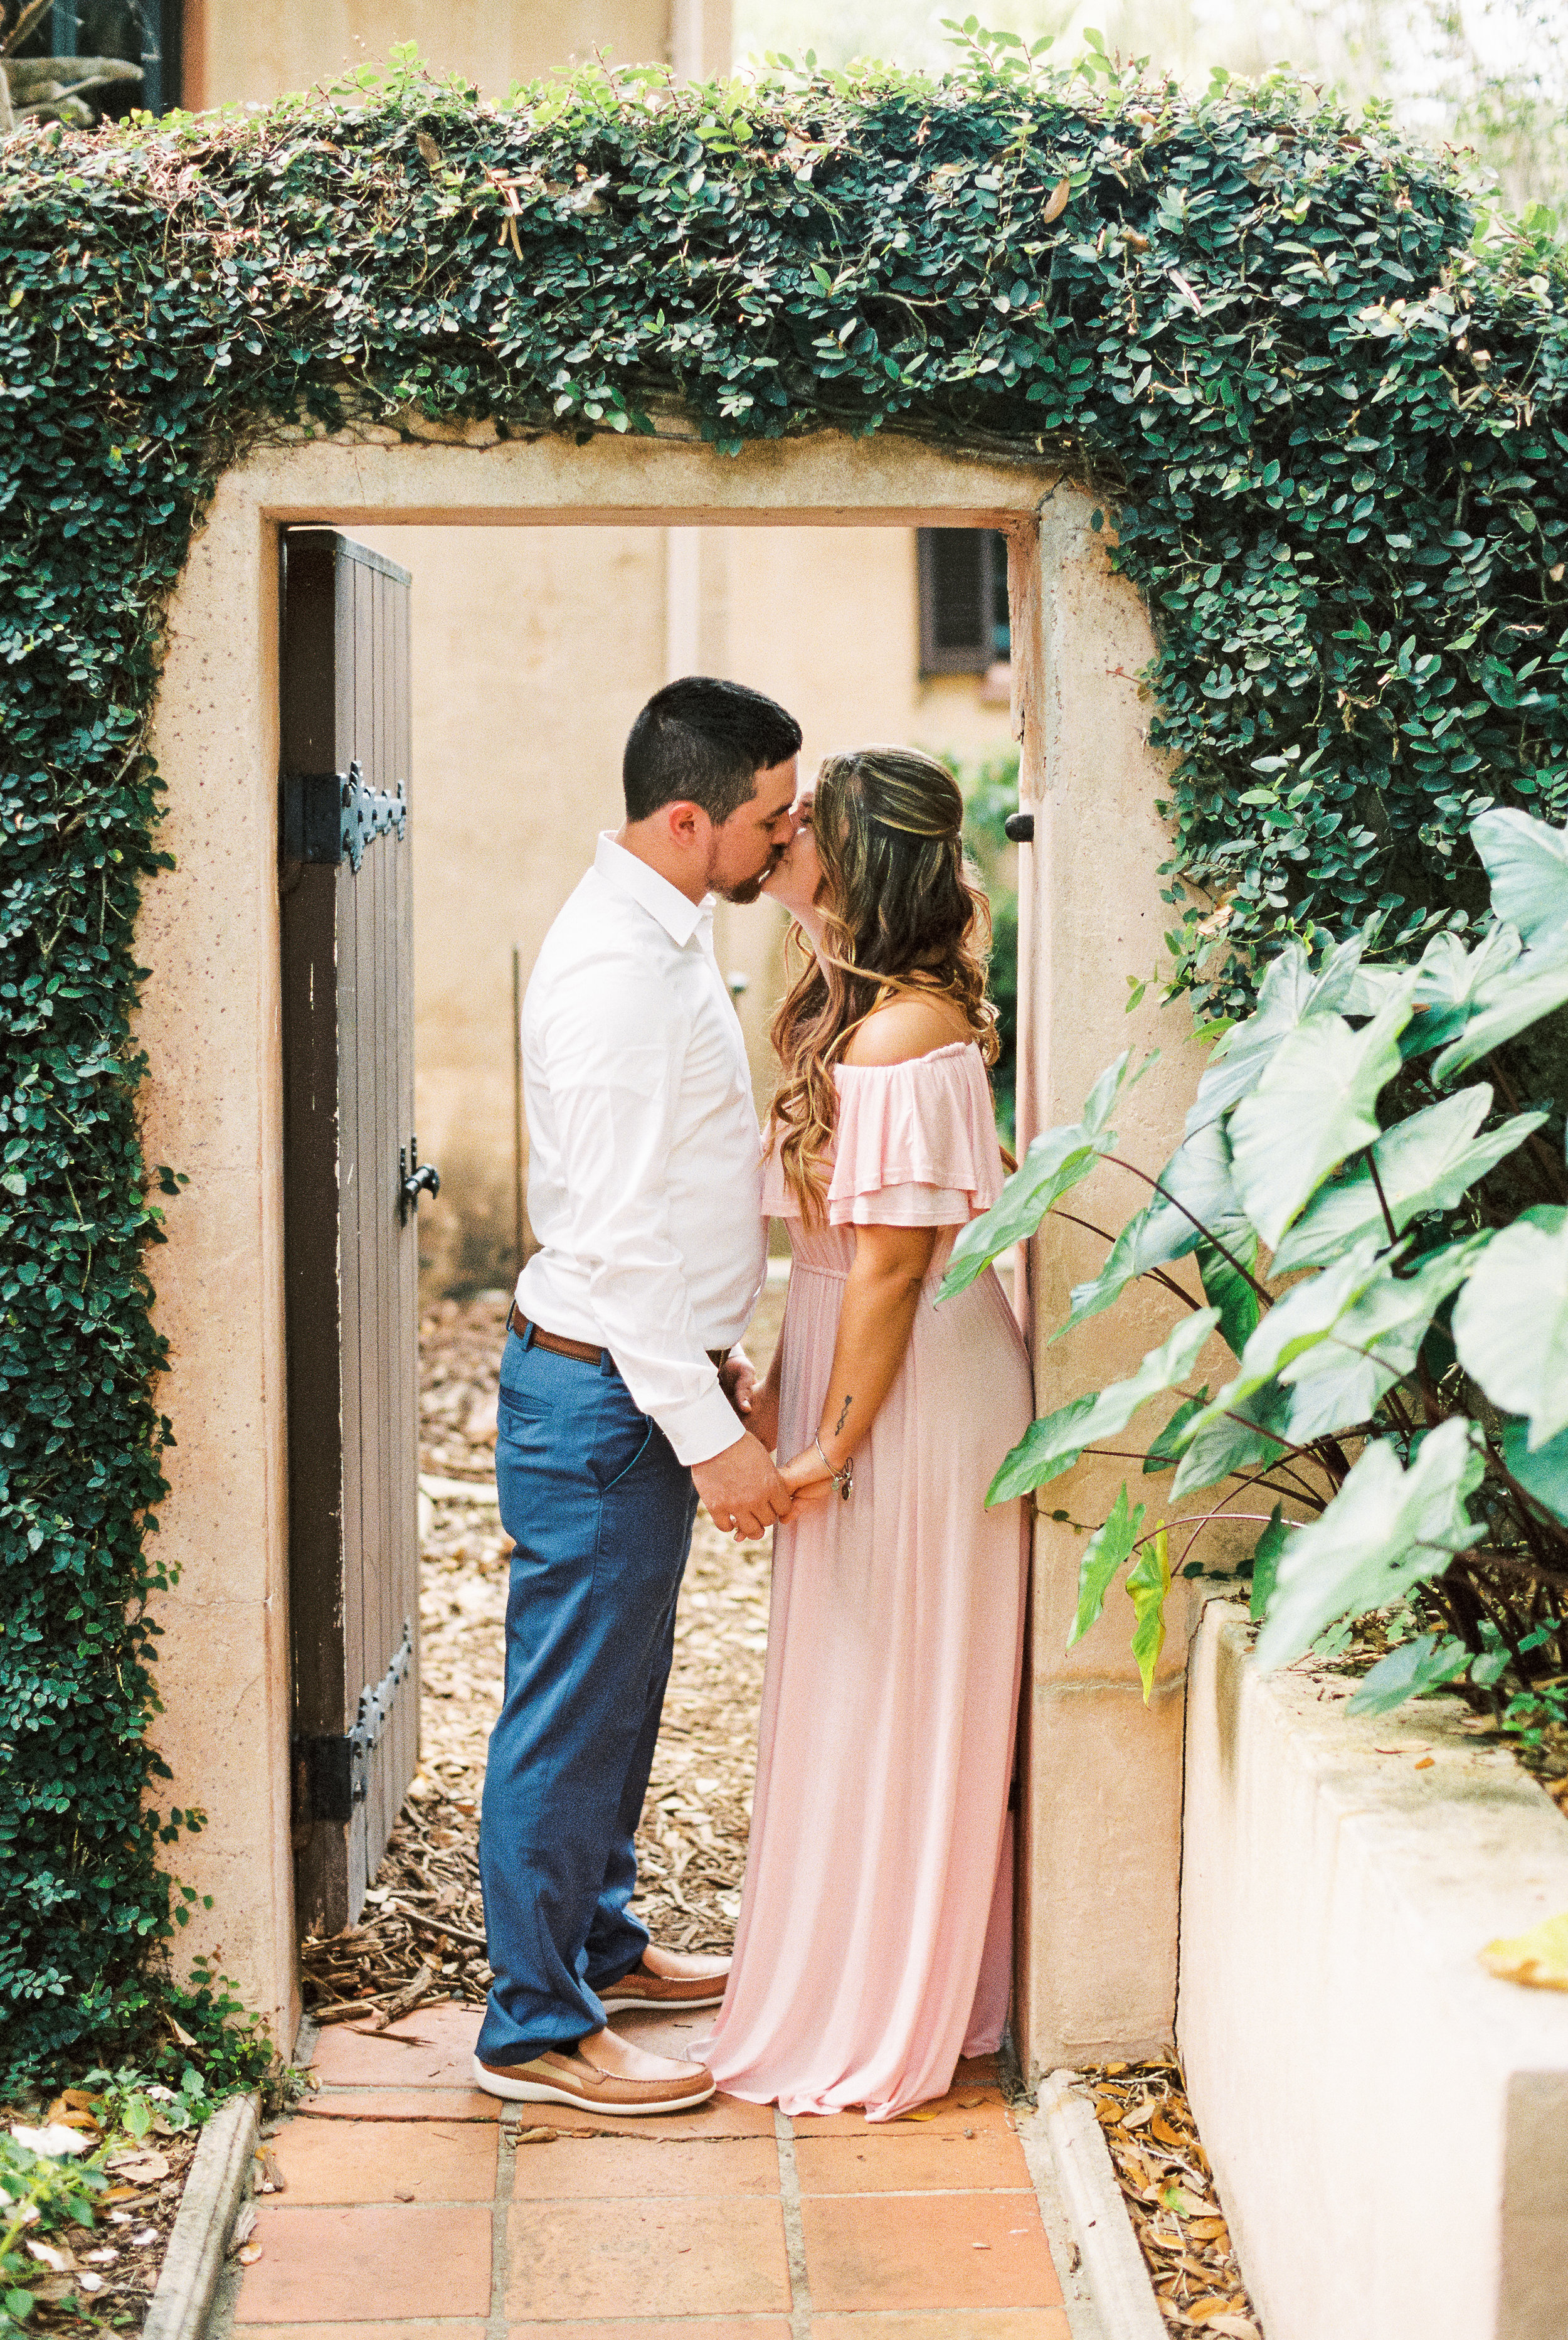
x=699 y=1983
x=566 y=2076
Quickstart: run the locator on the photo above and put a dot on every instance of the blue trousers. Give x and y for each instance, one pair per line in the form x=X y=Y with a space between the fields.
x=601 y=1513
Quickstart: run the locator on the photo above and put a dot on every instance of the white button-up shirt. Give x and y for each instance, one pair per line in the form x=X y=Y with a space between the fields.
x=644 y=1180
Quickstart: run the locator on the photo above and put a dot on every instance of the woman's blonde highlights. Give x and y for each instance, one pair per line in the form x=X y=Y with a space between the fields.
x=901 y=911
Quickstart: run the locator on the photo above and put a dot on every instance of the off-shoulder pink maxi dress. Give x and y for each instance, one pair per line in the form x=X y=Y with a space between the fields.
x=873 y=1946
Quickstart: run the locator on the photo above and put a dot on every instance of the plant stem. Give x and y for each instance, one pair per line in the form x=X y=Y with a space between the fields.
x=1224 y=1250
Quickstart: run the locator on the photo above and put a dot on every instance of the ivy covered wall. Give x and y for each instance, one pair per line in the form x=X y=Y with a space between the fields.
x=1324 y=411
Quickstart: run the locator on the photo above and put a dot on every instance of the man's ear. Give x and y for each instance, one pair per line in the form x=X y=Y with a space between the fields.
x=686 y=824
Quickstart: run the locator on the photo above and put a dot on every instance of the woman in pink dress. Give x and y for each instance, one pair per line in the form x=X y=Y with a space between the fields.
x=873 y=1947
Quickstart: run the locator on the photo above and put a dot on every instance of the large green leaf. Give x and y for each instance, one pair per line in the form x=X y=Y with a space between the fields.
x=1197 y=1194
x=1289 y=993
x=1147 y=1583
x=1424 y=1165
x=1164 y=1450
x=1315 y=1103
x=1245 y=1437
x=1053 y=1444
x=1227 y=1287
x=1103 y=1554
x=1426 y=1663
x=1544 y=1472
x=1527 y=862
x=1532 y=989
x=1511 y=1322
x=1340 y=1380
x=1266 y=1554
x=1450 y=982
x=1386 y=1529
x=1056 y=1162
x=1298 y=1318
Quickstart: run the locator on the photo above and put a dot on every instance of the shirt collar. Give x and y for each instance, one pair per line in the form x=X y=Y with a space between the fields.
x=679 y=918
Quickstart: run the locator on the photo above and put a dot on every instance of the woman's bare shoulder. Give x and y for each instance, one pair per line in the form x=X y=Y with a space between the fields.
x=914 y=1026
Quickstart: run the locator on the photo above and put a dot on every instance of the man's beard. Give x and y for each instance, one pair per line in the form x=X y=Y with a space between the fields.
x=748 y=889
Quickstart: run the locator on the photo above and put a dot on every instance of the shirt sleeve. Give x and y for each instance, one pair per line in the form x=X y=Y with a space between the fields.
x=614 y=1048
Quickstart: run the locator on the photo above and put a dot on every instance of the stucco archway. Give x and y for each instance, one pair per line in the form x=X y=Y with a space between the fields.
x=1099 y=1838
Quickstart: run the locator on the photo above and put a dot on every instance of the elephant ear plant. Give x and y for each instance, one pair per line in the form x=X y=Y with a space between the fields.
x=1395 y=1304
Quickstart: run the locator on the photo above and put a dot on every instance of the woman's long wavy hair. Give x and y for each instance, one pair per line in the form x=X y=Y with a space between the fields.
x=902 y=911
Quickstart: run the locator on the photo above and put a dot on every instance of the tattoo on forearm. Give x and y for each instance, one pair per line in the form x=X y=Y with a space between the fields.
x=842 y=1412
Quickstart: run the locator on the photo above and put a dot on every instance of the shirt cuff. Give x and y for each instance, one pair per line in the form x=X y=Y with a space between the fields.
x=703 y=1427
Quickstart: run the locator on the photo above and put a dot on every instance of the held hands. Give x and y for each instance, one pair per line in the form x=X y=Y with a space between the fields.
x=742 y=1489
x=808 y=1479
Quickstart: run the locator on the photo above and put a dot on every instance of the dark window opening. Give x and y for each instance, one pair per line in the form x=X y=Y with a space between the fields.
x=964 y=627
x=81 y=62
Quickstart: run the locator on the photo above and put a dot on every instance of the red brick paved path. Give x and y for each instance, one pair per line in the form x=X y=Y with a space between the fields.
x=411 y=2214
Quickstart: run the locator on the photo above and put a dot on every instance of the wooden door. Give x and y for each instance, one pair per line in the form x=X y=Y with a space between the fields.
x=349 y=1222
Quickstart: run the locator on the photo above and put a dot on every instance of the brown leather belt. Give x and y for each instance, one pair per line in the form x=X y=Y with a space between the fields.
x=583 y=1351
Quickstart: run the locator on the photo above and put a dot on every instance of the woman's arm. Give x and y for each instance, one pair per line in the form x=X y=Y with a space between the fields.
x=874 y=1328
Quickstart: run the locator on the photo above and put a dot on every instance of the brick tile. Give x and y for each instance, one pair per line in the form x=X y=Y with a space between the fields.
x=448 y=2329
x=895 y=2160
x=919 y=2250
x=967 y=2105
x=671 y=2257
x=662 y=2327
x=952 y=2324
x=384 y=2161
x=613 y=2167
x=399 y=2105
x=721 y=2116
x=366 y=2263
x=433 y=2047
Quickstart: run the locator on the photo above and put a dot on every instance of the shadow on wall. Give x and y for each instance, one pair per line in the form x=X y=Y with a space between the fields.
x=468 y=1235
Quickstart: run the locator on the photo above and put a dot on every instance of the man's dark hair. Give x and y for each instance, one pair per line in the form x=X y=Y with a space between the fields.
x=703 y=741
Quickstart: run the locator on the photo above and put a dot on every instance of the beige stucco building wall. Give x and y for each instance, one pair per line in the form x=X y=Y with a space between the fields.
x=532 y=651
x=249 y=55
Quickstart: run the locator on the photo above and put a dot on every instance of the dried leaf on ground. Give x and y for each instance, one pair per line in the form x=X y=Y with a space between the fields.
x=1164 y=2175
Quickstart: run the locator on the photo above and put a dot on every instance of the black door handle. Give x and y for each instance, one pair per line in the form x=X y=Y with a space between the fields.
x=415 y=1178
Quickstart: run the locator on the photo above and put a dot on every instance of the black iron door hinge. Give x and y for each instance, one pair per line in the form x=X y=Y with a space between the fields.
x=333 y=1773
x=332 y=817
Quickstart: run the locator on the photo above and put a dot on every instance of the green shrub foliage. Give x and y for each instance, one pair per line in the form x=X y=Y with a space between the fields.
x=1324 y=407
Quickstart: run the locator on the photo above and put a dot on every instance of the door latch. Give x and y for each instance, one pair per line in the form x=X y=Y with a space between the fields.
x=414 y=1178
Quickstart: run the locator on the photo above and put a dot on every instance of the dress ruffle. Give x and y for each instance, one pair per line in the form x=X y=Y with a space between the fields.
x=915 y=1145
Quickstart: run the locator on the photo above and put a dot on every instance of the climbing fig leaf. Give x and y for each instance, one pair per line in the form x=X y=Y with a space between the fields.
x=1387 y=1528
x=1511 y=1322
x=1315 y=1103
x=1103 y=1554
x=1147 y=1583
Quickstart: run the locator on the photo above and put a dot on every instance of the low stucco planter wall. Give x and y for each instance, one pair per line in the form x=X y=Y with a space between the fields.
x=1388 y=2124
